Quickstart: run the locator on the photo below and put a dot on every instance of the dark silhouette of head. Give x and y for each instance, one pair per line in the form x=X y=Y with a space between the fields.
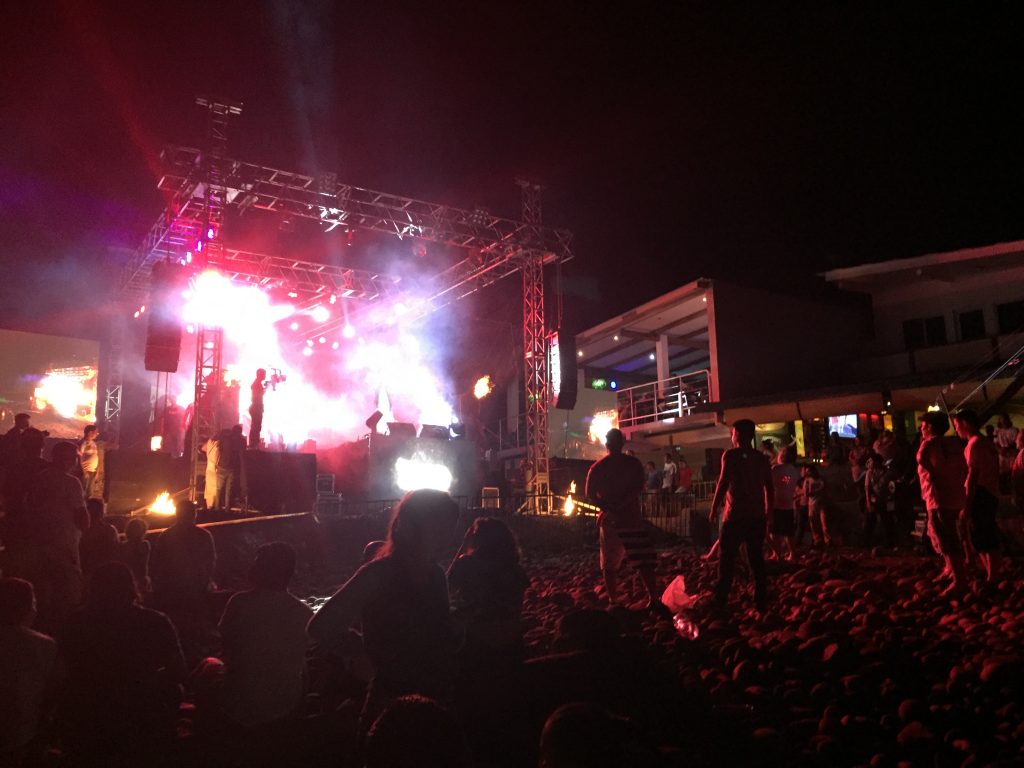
x=419 y=524
x=135 y=529
x=274 y=566
x=968 y=418
x=582 y=735
x=744 y=432
x=96 y=509
x=787 y=455
x=112 y=587
x=64 y=455
x=185 y=512
x=22 y=420
x=414 y=731
x=17 y=603
x=491 y=539
x=31 y=443
x=90 y=431
x=937 y=421
x=261 y=374
x=615 y=441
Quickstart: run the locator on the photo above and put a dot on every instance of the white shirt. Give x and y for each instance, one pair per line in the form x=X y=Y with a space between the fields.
x=668 y=474
x=90 y=455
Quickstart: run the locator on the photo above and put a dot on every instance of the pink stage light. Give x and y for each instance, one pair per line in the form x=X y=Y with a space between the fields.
x=348 y=331
x=307 y=351
x=294 y=326
x=320 y=313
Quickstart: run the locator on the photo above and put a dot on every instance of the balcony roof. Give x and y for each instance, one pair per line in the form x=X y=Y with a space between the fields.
x=626 y=343
x=946 y=266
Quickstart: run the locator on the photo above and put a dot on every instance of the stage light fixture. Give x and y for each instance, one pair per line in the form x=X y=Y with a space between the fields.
x=334 y=345
x=309 y=342
x=320 y=313
x=307 y=351
x=294 y=326
x=348 y=331
x=322 y=339
x=651 y=356
x=373 y=419
x=413 y=475
x=613 y=384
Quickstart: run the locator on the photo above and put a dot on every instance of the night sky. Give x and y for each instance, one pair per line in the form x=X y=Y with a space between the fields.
x=678 y=141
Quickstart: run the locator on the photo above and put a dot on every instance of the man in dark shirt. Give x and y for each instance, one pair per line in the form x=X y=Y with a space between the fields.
x=615 y=484
x=746 y=489
x=183 y=560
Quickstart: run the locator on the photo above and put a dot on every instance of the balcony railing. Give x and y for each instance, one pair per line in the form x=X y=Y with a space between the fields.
x=665 y=399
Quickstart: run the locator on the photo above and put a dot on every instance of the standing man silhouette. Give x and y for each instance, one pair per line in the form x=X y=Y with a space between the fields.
x=258 y=387
x=616 y=482
x=746 y=491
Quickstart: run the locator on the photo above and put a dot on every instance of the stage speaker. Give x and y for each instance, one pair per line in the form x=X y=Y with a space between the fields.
x=279 y=482
x=562 y=370
x=163 y=332
x=434 y=432
x=401 y=429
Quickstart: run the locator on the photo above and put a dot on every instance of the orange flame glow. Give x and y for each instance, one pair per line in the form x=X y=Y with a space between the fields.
x=162 y=505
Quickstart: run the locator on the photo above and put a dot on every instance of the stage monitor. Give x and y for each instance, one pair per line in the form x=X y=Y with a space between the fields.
x=435 y=432
x=52 y=378
x=401 y=429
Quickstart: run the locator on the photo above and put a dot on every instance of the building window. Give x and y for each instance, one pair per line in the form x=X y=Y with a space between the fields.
x=924 y=332
x=1011 y=317
x=972 y=325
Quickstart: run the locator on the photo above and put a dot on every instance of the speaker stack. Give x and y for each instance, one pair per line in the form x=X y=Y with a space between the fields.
x=163 y=333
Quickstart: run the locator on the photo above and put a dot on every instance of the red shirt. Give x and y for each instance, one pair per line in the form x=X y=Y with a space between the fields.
x=943 y=471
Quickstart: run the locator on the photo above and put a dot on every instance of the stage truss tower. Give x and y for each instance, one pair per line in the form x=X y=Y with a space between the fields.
x=535 y=357
x=209 y=378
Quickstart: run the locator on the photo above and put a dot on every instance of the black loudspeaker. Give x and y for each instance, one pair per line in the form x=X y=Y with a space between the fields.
x=279 y=482
x=562 y=373
x=163 y=333
x=434 y=432
x=402 y=429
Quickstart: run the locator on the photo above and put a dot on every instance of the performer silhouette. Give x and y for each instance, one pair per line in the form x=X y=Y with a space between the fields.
x=259 y=386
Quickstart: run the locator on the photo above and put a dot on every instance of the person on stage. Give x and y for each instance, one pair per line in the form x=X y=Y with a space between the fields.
x=259 y=386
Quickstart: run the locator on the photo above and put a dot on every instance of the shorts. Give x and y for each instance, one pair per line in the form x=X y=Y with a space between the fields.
x=783 y=522
x=632 y=544
x=942 y=530
x=981 y=521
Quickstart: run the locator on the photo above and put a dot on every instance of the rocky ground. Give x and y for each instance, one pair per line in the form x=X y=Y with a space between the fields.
x=857 y=662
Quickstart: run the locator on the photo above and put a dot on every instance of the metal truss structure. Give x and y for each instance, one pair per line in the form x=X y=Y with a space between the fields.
x=535 y=357
x=199 y=184
x=208 y=386
x=114 y=389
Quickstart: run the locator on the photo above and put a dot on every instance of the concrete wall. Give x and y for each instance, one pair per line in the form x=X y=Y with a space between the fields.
x=764 y=342
x=922 y=297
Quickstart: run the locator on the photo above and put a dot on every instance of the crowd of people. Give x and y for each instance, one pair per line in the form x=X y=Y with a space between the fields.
x=106 y=643
x=112 y=646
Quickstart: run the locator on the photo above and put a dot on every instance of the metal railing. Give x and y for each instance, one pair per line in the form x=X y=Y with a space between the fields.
x=664 y=399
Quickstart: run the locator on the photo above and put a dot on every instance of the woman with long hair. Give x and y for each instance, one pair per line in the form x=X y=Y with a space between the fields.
x=401 y=599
